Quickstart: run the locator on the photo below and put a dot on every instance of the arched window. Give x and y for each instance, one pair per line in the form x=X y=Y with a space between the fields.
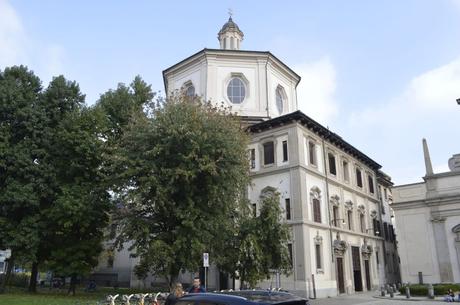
x=236 y=90
x=190 y=92
x=188 y=89
x=280 y=99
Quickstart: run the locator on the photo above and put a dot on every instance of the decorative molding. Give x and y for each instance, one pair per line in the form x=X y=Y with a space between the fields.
x=361 y=209
x=340 y=246
x=366 y=250
x=335 y=200
x=349 y=205
x=437 y=219
x=318 y=239
x=315 y=193
x=267 y=192
x=373 y=214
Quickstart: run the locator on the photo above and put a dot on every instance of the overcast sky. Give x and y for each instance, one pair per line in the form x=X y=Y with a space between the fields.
x=382 y=74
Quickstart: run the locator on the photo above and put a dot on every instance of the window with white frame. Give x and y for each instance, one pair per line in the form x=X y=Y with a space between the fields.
x=346 y=170
x=318 y=242
x=252 y=158
x=332 y=167
x=280 y=99
x=370 y=181
x=312 y=153
x=315 y=194
x=285 y=151
x=269 y=152
x=236 y=90
x=359 y=178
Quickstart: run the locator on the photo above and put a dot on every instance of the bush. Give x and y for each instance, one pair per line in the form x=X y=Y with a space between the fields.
x=17 y=279
x=422 y=290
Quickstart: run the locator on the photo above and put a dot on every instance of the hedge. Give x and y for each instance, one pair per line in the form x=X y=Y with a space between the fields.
x=422 y=290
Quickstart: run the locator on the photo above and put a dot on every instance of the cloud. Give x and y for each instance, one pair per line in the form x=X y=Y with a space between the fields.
x=17 y=48
x=426 y=108
x=12 y=36
x=316 y=90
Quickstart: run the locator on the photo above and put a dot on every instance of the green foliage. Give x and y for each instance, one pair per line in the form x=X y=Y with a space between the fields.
x=263 y=243
x=182 y=170
x=17 y=279
x=422 y=290
x=53 y=202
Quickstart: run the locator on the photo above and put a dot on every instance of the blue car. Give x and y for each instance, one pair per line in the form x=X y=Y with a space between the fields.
x=242 y=297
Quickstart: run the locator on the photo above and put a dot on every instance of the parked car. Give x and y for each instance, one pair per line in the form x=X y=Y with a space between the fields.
x=242 y=297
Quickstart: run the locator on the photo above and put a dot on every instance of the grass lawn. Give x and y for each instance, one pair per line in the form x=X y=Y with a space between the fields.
x=47 y=297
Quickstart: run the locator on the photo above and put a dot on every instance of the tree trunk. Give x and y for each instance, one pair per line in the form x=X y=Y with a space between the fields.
x=73 y=282
x=9 y=269
x=33 y=278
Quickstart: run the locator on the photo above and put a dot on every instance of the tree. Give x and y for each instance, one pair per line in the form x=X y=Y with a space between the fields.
x=54 y=203
x=20 y=172
x=185 y=169
x=263 y=243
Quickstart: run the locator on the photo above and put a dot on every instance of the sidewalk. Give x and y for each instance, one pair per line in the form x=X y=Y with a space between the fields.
x=402 y=297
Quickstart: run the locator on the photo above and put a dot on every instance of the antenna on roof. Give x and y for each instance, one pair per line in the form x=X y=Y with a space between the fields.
x=230 y=13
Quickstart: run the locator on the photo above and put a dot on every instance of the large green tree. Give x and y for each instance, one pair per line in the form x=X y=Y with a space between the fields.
x=20 y=170
x=184 y=170
x=54 y=205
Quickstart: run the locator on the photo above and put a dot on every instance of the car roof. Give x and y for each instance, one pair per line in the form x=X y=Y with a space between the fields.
x=251 y=296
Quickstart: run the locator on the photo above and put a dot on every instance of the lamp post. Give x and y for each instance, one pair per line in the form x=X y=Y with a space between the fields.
x=458 y=101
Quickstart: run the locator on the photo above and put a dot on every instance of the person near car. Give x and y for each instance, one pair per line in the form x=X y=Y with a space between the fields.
x=196 y=287
x=176 y=293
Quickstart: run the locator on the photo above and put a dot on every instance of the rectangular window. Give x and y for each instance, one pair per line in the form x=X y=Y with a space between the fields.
x=385 y=193
x=318 y=256
x=316 y=210
x=377 y=257
x=362 y=223
x=332 y=168
x=288 y=208
x=291 y=259
x=252 y=158
x=371 y=184
x=285 y=151
x=359 y=179
x=312 y=153
x=350 y=220
x=377 y=228
x=254 y=210
x=346 y=173
x=335 y=214
x=269 y=153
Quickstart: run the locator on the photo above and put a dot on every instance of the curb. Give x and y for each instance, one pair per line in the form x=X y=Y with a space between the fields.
x=405 y=299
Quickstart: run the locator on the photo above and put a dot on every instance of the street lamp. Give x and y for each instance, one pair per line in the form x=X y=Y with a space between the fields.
x=458 y=101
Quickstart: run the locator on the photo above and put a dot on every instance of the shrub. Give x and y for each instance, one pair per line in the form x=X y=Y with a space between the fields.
x=17 y=279
x=422 y=290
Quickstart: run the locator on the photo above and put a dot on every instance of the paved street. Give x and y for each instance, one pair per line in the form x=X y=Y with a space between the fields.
x=367 y=298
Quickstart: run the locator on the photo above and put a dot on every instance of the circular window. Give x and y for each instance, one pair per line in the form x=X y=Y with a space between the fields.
x=236 y=91
x=279 y=100
x=190 y=92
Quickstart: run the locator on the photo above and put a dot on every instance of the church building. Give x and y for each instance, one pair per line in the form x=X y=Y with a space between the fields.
x=428 y=225
x=331 y=192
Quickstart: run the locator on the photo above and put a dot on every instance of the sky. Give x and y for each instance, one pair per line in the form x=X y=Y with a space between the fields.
x=381 y=74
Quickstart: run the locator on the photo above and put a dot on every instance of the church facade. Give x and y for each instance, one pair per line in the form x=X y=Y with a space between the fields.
x=428 y=225
x=332 y=193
